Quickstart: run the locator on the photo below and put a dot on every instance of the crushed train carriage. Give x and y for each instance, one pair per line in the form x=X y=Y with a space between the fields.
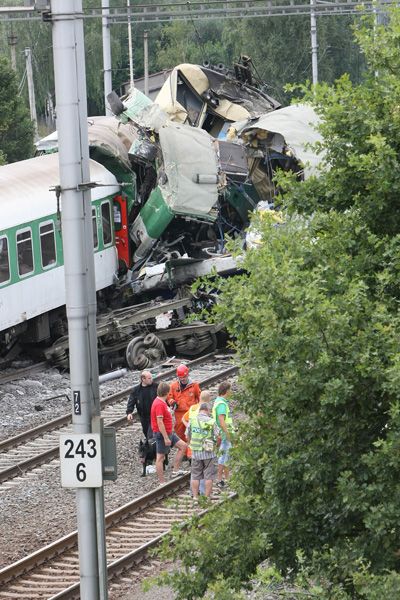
x=175 y=177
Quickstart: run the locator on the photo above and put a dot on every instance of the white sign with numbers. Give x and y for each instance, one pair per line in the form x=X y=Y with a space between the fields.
x=80 y=457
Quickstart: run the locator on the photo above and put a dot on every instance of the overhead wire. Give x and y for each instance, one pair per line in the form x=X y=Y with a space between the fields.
x=22 y=83
x=197 y=33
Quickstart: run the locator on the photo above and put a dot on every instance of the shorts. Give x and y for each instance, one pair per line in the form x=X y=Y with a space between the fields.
x=223 y=457
x=161 y=448
x=204 y=468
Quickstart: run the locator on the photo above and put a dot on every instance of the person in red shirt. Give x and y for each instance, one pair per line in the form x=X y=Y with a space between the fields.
x=162 y=426
x=182 y=395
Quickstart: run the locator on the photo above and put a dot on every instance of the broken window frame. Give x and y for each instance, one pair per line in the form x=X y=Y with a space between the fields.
x=107 y=224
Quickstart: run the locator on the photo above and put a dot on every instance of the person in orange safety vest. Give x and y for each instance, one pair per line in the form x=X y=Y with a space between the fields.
x=183 y=393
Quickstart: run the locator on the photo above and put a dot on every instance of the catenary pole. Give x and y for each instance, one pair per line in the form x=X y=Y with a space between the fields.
x=146 y=63
x=106 y=37
x=130 y=50
x=12 y=41
x=31 y=90
x=314 y=44
x=77 y=234
x=93 y=376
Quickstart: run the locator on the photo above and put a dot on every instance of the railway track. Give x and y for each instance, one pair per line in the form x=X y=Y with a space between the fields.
x=38 y=446
x=53 y=572
x=19 y=373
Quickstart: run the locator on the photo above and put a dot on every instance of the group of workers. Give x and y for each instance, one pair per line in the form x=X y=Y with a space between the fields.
x=181 y=415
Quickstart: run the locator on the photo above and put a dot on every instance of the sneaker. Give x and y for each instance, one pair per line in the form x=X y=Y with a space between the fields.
x=220 y=484
x=179 y=473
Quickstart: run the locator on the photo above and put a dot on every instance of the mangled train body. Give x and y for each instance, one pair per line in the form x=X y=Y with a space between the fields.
x=174 y=179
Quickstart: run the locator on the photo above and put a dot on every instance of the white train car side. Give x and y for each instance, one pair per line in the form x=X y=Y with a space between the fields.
x=32 y=285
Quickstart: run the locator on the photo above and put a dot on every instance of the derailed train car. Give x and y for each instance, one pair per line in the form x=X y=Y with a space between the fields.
x=182 y=174
x=32 y=286
x=206 y=152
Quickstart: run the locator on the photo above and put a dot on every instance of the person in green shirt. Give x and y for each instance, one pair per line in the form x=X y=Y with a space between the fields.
x=223 y=418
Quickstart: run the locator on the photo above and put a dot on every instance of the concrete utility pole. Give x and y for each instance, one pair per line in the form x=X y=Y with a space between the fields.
x=314 y=44
x=130 y=45
x=50 y=113
x=146 y=63
x=105 y=4
x=12 y=42
x=31 y=90
x=73 y=152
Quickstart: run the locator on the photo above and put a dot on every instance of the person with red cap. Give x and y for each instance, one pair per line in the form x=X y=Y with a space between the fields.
x=183 y=393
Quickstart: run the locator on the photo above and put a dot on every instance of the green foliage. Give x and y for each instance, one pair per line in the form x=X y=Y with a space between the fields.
x=376 y=587
x=183 y=42
x=316 y=325
x=16 y=130
x=215 y=563
x=280 y=48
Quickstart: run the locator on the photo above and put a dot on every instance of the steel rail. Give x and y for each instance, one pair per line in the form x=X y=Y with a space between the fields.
x=51 y=453
x=31 y=434
x=144 y=521
x=20 y=373
x=112 y=519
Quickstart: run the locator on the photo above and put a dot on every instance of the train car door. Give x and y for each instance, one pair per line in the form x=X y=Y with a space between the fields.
x=121 y=231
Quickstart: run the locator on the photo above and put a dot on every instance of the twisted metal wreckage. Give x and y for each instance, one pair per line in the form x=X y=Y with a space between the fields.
x=202 y=157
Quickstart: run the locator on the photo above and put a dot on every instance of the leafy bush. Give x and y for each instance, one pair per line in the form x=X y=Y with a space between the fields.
x=315 y=318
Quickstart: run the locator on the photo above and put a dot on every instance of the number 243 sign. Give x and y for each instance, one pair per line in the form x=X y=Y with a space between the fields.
x=80 y=459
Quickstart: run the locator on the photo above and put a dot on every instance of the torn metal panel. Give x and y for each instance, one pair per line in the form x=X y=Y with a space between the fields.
x=227 y=85
x=110 y=137
x=232 y=160
x=183 y=271
x=290 y=131
x=187 y=185
x=191 y=170
x=150 y=224
x=142 y=111
x=172 y=101
x=207 y=98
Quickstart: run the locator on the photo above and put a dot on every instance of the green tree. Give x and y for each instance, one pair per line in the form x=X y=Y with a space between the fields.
x=16 y=130
x=316 y=325
x=191 y=42
x=280 y=47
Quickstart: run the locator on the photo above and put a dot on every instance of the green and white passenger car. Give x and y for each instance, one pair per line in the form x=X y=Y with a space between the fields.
x=32 y=286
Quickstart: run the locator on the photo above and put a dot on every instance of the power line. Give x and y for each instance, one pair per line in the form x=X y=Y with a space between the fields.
x=208 y=9
x=188 y=4
x=22 y=83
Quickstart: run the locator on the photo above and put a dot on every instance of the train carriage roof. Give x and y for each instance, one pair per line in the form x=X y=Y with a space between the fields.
x=25 y=188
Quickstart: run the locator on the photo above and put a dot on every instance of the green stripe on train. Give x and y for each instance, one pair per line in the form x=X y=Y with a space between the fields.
x=33 y=225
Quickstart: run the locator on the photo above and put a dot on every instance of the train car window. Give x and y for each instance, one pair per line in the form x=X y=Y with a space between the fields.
x=106 y=221
x=117 y=216
x=94 y=224
x=47 y=244
x=25 y=252
x=4 y=261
